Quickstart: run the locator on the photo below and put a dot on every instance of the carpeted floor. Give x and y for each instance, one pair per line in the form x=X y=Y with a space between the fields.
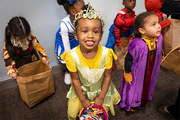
x=54 y=107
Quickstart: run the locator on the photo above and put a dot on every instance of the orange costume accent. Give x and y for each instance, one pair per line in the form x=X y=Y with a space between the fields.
x=154 y=6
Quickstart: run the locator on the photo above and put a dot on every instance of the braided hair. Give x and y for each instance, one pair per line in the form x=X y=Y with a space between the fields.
x=17 y=27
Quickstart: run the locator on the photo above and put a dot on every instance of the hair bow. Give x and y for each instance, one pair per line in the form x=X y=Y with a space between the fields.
x=71 y=0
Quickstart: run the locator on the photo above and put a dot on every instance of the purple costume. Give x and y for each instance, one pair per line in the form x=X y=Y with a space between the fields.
x=131 y=94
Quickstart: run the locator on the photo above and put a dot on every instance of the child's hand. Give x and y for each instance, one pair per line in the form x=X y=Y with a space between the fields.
x=128 y=77
x=86 y=103
x=13 y=75
x=99 y=101
x=164 y=16
x=162 y=58
x=45 y=60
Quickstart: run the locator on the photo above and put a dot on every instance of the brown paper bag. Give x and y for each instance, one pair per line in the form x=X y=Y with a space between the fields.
x=172 y=61
x=35 y=82
x=171 y=36
x=120 y=53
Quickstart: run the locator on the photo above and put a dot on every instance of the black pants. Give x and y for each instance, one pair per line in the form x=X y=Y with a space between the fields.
x=171 y=7
x=175 y=109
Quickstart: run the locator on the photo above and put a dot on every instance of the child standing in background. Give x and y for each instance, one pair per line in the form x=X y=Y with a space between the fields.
x=123 y=29
x=90 y=65
x=20 y=46
x=155 y=6
x=171 y=7
x=64 y=37
x=142 y=62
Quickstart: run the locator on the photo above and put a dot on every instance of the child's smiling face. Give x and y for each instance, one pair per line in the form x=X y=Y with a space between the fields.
x=89 y=33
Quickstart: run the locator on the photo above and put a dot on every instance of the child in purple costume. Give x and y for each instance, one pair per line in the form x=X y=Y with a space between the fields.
x=142 y=63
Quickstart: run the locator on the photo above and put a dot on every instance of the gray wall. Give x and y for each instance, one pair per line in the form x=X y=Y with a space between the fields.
x=44 y=17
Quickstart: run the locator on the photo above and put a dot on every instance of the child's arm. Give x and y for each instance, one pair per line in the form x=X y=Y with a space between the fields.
x=122 y=21
x=119 y=21
x=65 y=36
x=40 y=50
x=77 y=86
x=105 y=86
x=127 y=67
x=9 y=63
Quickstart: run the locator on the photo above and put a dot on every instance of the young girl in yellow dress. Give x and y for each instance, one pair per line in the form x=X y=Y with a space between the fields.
x=90 y=65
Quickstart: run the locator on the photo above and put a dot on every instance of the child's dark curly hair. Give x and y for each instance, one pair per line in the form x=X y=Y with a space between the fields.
x=139 y=22
x=66 y=4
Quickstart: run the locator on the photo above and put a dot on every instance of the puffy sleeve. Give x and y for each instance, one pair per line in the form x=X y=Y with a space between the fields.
x=9 y=62
x=110 y=58
x=119 y=20
x=65 y=36
x=40 y=50
x=67 y=57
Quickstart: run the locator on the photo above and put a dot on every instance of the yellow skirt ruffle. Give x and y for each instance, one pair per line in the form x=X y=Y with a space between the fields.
x=74 y=106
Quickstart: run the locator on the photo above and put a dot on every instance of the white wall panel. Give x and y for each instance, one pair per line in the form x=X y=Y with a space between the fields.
x=44 y=17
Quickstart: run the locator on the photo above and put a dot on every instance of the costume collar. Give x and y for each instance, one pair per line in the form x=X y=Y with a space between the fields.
x=18 y=43
x=151 y=42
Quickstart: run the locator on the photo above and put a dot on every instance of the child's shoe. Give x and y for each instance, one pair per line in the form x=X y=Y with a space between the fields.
x=164 y=109
x=141 y=107
x=132 y=109
x=67 y=78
